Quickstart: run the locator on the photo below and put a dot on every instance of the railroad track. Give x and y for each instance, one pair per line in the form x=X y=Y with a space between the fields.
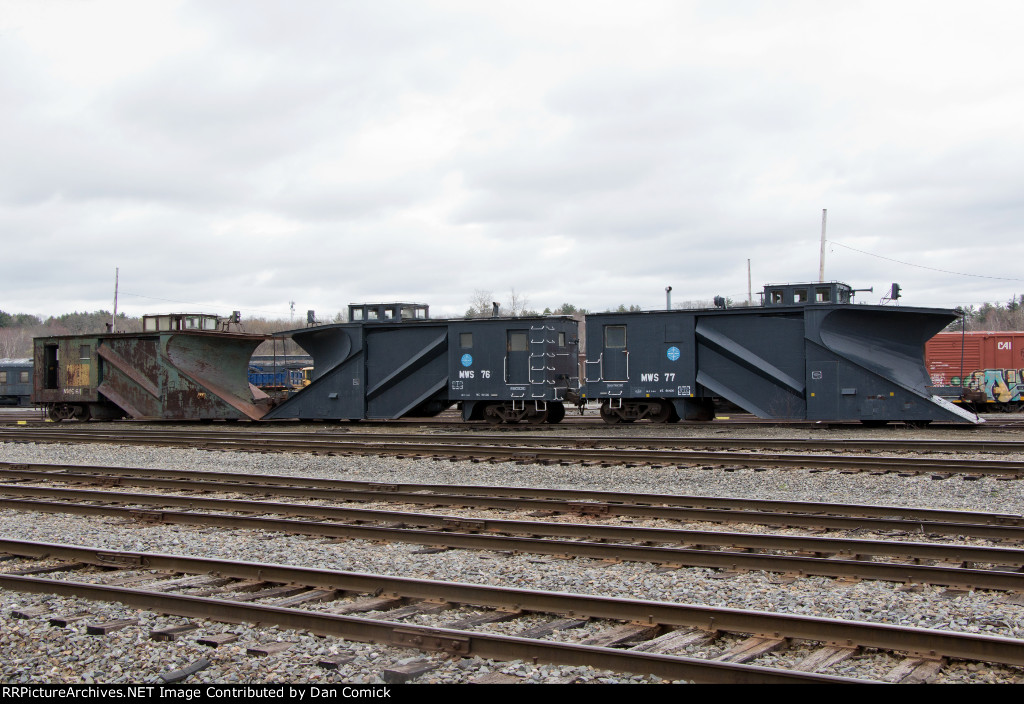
x=902 y=561
x=592 y=505
x=621 y=635
x=674 y=507
x=261 y=438
x=592 y=418
x=486 y=448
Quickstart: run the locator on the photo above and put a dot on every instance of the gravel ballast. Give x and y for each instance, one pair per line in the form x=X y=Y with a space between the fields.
x=32 y=651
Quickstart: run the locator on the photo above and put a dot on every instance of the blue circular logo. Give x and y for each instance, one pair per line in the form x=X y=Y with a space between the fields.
x=467 y=360
x=673 y=353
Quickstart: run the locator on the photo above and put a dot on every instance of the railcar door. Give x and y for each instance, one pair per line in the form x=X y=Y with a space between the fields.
x=50 y=363
x=615 y=354
x=823 y=391
x=517 y=357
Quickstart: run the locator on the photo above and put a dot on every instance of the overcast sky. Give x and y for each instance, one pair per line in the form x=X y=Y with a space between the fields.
x=244 y=155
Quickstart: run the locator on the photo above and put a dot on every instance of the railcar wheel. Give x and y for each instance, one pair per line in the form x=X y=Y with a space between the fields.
x=61 y=412
x=608 y=415
x=556 y=412
x=491 y=415
x=664 y=413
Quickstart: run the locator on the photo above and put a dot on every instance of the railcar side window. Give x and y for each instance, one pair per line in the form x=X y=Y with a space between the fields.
x=83 y=352
x=517 y=342
x=466 y=340
x=615 y=337
x=822 y=295
x=3 y=377
x=23 y=377
x=776 y=296
x=561 y=339
x=800 y=295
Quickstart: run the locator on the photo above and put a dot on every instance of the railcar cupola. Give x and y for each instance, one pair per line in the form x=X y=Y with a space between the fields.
x=387 y=312
x=806 y=294
x=190 y=322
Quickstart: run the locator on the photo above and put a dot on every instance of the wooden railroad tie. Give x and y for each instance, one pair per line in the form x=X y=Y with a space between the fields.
x=751 y=648
x=269 y=648
x=172 y=633
x=398 y=674
x=101 y=629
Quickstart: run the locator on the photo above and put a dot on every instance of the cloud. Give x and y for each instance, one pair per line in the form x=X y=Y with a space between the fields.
x=249 y=154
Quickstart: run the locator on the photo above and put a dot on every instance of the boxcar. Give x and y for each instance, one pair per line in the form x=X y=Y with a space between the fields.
x=982 y=369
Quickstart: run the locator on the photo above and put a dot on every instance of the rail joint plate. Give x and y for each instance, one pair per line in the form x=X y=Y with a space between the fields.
x=586 y=508
x=147 y=516
x=122 y=559
x=426 y=639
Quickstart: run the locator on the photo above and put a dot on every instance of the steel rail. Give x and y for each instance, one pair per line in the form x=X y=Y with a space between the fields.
x=714 y=559
x=269 y=437
x=861 y=548
x=577 y=455
x=921 y=642
x=670 y=507
x=450 y=641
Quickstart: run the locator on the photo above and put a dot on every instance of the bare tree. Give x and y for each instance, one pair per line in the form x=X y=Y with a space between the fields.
x=481 y=305
x=14 y=343
x=517 y=303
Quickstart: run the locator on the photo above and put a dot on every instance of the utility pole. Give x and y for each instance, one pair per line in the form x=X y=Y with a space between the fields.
x=821 y=265
x=750 y=290
x=113 y=317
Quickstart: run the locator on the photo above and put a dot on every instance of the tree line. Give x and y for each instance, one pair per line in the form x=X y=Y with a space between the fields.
x=991 y=316
x=18 y=329
x=483 y=305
